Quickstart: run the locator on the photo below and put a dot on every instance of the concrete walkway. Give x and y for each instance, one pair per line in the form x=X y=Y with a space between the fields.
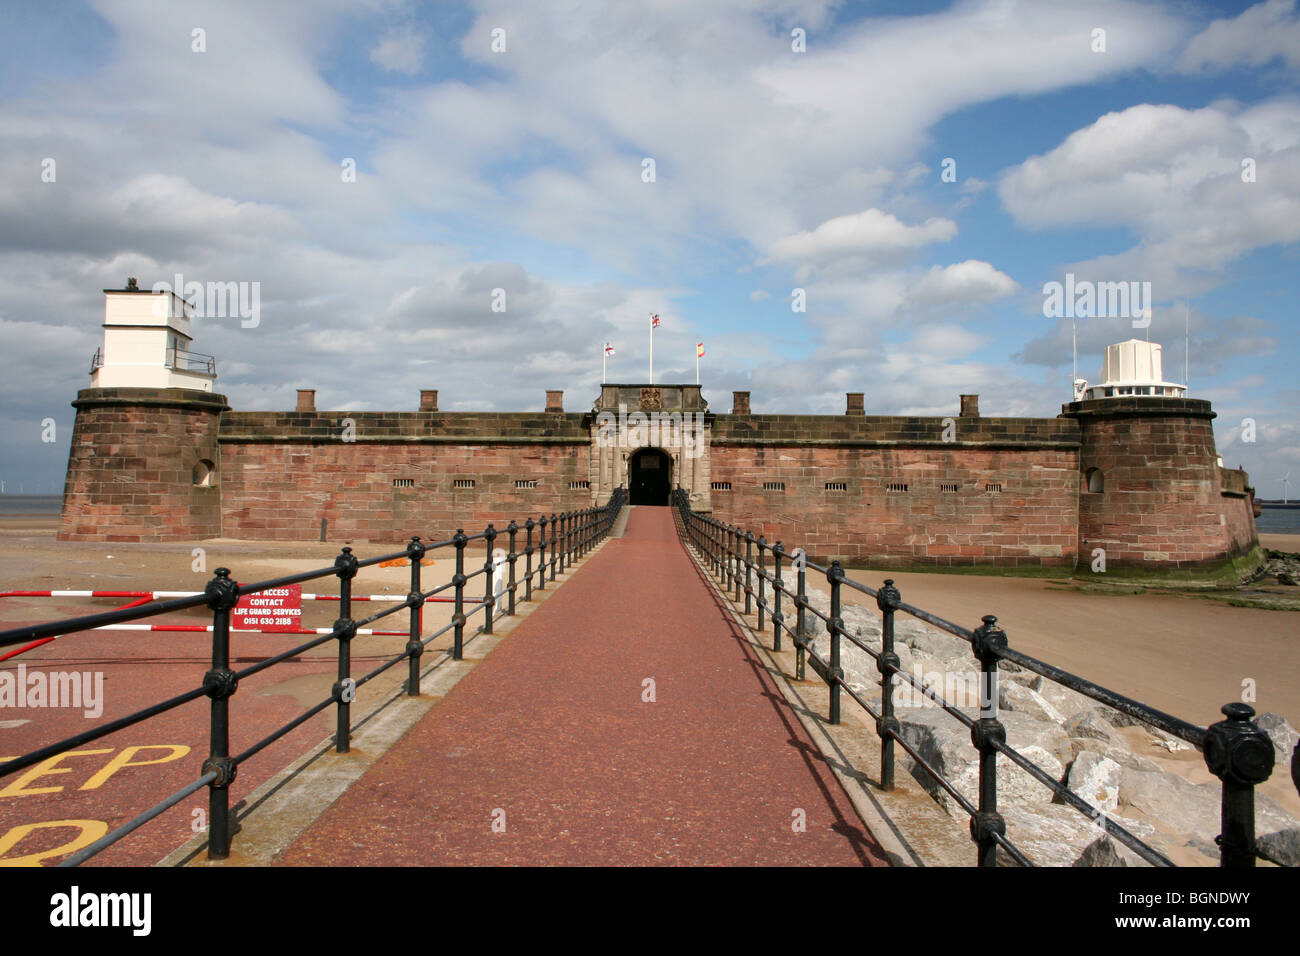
x=551 y=751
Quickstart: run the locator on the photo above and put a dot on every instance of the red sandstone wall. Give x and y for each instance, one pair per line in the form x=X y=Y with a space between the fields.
x=1238 y=509
x=1162 y=504
x=1031 y=521
x=282 y=491
x=130 y=468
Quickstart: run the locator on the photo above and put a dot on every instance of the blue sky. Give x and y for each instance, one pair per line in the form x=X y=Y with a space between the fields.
x=521 y=169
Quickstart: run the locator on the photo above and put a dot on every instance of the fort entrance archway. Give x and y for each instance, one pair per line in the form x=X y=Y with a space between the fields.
x=649 y=477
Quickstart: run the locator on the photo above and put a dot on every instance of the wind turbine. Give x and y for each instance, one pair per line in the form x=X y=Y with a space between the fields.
x=1286 y=480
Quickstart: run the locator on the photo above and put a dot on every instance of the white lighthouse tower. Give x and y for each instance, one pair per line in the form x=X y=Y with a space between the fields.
x=1130 y=369
x=147 y=343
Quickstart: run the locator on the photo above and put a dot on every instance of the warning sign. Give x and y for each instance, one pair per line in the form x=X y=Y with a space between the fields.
x=275 y=609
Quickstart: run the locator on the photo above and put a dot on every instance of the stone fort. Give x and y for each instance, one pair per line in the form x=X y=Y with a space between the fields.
x=1129 y=467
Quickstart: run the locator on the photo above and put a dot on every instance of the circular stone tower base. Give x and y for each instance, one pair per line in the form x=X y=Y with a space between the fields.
x=144 y=466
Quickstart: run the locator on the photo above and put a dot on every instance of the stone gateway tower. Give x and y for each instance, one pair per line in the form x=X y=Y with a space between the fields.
x=1128 y=470
x=651 y=439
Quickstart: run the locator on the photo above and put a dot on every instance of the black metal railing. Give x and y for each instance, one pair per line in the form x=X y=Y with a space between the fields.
x=1236 y=749
x=185 y=361
x=579 y=532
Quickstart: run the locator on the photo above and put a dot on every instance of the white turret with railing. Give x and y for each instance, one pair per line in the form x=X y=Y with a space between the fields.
x=147 y=343
x=1130 y=369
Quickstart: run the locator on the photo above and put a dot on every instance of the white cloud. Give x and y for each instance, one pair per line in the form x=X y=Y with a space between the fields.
x=947 y=341
x=400 y=50
x=972 y=281
x=226 y=165
x=1264 y=32
x=750 y=139
x=865 y=233
x=1175 y=178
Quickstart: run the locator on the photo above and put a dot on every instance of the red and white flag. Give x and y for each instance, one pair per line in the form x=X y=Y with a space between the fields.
x=654 y=321
x=609 y=349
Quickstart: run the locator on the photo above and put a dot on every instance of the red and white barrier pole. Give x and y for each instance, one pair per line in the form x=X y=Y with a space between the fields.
x=158 y=595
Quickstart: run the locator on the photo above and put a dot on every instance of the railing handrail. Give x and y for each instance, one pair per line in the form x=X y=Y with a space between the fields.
x=1236 y=750
x=194 y=361
x=582 y=530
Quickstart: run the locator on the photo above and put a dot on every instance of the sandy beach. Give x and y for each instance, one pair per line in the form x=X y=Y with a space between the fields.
x=1281 y=542
x=1177 y=651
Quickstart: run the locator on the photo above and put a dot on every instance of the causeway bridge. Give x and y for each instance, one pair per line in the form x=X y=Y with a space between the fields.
x=668 y=704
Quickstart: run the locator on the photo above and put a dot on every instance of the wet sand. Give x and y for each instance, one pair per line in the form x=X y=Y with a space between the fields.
x=1281 y=542
x=1178 y=652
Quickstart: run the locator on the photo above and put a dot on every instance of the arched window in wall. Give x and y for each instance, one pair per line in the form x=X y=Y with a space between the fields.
x=203 y=473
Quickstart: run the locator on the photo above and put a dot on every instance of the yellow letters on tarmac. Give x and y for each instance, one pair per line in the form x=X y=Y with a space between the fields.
x=18 y=788
x=124 y=760
x=90 y=831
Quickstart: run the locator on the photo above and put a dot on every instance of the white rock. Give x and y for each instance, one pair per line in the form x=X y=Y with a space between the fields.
x=1102 y=851
x=1172 y=744
x=1067 y=701
x=946 y=745
x=1282 y=848
x=1050 y=835
x=1017 y=697
x=1179 y=805
x=1096 y=780
x=1090 y=725
x=929 y=642
x=1283 y=735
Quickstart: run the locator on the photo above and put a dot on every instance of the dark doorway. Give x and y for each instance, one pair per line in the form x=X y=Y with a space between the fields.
x=649 y=475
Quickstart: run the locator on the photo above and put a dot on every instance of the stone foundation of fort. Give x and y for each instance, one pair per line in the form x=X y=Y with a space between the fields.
x=1138 y=479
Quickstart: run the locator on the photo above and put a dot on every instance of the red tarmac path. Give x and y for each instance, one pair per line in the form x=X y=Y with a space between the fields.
x=549 y=735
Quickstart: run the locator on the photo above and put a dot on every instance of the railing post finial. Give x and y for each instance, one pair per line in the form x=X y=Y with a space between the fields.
x=1240 y=754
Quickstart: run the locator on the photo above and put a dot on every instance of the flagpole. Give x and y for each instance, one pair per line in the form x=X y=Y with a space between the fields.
x=652 y=351
x=1074 y=330
x=697 y=365
x=604 y=356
